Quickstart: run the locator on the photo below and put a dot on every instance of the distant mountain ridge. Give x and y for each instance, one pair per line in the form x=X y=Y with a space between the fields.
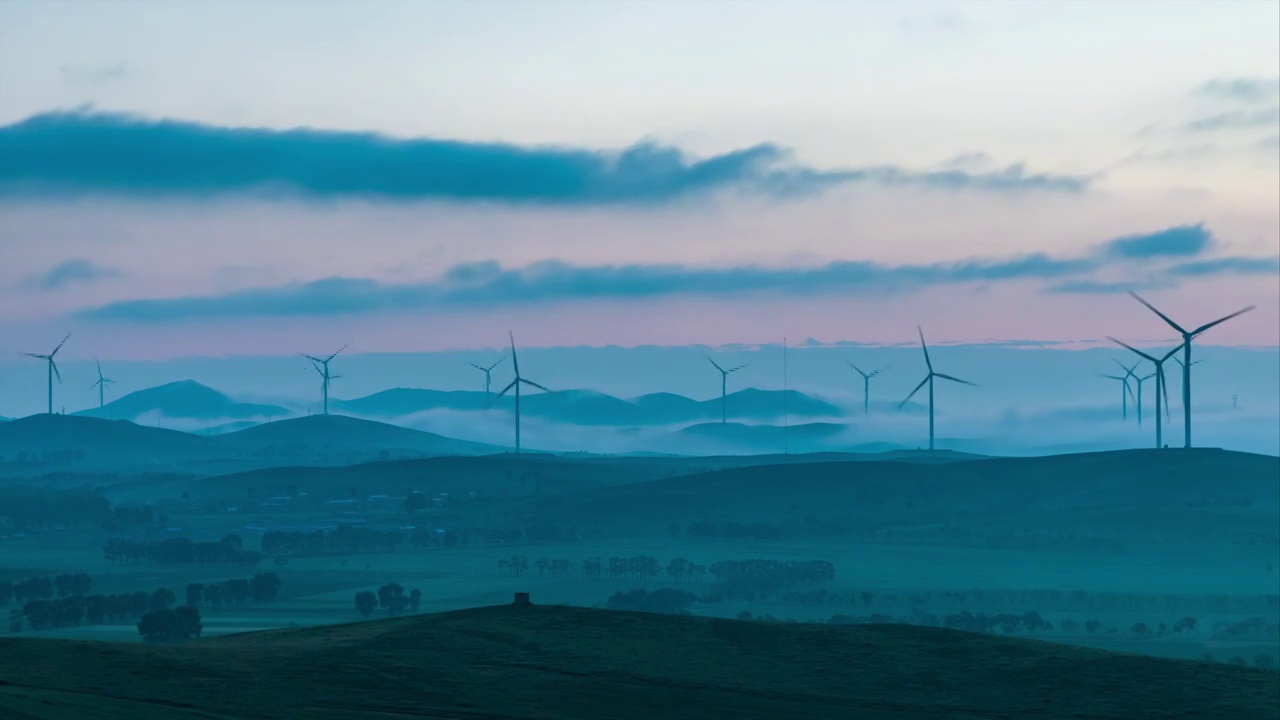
x=41 y=443
x=186 y=399
x=588 y=407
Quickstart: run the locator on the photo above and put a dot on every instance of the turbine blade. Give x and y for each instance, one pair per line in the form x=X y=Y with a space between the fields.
x=335 y=354
x=1153 y=309
x=955 y=379
x=64 y=342
x=713 y=362
x=913 y=392
x=1129 y=390
x=1111 y=377
x=1134 y=349
x=855 y=367
x=1170 y=354
x=499 y=395
x=530 y=382
x=1164 y=390
x=515 y=361
x=478 y=367
x=496 y=364
x=924 y=347
x=312 y=358
x=55 y=370
x=1219 y=321
x=38 y=357
x=734 y=370
x=99 y=364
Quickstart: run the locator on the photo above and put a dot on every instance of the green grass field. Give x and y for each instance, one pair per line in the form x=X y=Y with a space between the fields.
x=553 y=662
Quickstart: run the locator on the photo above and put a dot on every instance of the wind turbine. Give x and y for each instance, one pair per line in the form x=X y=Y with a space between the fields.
x=724 y=383
x=515 y=365
x=53 y=367
x=866 y=386
x=322 y=367
x=929 y=380
x=1125 y=393
x=1161 y=387
x=1139 y=381
x=101 y=384
x=1187 y=336
x=487 y=373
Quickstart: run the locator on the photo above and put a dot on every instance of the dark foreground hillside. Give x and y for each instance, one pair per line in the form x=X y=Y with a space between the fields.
x=556 y=662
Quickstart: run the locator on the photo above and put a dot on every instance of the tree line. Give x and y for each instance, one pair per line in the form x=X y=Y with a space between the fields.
x=343 y=539
x=181 y=551
x=1077 y=601
x=35 y=509
x=97 y=609
x=391 y=597
x=733 y=531
x=45 y=587
x=262 y=587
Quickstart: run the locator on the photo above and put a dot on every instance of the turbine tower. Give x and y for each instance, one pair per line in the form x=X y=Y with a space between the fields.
x=515 y=366
x=1187 y=337
x=724 y=384
x=53 y=367
x=929 y=380
x=1138 y=381
x=1126 y=392
x=1129 y=373
x=1162 y=389
x=866 y=386
x=322 y=366
x=101 y=384
x=488 y=373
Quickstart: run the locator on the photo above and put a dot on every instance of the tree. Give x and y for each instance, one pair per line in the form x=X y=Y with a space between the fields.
x=162 y=599
x=167 y=625
x=1265 y=662
x=195 y=591
x=415 y=501
x=366 y=603
x=6 y=592
x=80 y=584
x=1140 y=629
x=1093 y=626
x=264 y=586
x=233 y=540
x=391 y=596
x=415 y=599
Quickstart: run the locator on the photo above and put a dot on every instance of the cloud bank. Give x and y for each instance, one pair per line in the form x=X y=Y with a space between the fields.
x=1241 y=89
x=84 y=152
x=488 y=284
x=69 y=273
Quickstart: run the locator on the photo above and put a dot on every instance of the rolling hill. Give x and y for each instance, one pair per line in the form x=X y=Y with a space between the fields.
x=1134 y=488
x=739 y=438
x=561 y=663
x=86 y=443
x=57 y=443
x=186 y=399
x=339 y=434
x=588 y=407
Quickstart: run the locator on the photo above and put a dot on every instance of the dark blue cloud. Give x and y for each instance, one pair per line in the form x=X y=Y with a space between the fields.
x=1094 y=287
x=488 y=284
x=1179 y=241
x=70 y=272
x=1228 y=266
x=81 y=152
x=1243 y=89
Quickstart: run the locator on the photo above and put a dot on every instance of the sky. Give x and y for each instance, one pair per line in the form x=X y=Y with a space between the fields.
x=186 y=179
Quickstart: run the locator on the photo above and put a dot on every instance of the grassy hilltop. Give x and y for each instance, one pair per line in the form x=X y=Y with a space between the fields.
x=559 y=662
